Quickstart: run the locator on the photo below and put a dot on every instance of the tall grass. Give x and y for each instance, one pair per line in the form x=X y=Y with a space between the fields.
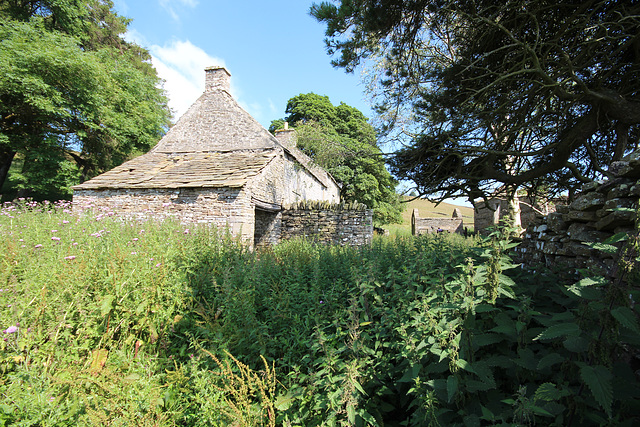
x=109 y=321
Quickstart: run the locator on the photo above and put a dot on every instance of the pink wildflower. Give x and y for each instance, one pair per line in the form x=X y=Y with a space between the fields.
x=37 y=246
x=55 y=238
x=70 y=257
x=11 y=330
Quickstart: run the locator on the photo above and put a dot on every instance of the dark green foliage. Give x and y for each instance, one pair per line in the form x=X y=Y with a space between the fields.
x=428 y=331
x=431 y=330
x=533 y=94
x=72 y=91
x=341 y=140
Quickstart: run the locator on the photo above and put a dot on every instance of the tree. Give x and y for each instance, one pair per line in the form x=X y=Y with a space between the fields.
x=532 y=94
x=73 y=93
x=341 y=140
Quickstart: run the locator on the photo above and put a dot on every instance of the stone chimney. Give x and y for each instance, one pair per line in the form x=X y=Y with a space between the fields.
x=217 y=78
x=286 y=136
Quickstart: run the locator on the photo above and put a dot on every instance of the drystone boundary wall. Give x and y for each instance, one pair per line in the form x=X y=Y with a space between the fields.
x=559 y=238
x=488 y=216
x=433 y=225
x=232 y=208
x=335 y=224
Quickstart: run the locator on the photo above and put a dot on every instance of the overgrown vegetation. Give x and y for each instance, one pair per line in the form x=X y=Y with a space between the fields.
x=109 y=321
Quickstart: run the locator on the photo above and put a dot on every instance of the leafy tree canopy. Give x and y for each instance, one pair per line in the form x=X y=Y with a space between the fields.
x=536 y=94
x=341 y=140
x=73 y=93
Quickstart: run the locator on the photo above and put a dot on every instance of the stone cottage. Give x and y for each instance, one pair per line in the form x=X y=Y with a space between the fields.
x=217 y=165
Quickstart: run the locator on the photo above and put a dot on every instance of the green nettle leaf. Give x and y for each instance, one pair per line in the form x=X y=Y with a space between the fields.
x=626 y=317
x=410 y=374
x=576 y=344
x=598 y=379
x=485 y=308
x=461 y=363
x=107 y=304
x=527 y=359
x=602 y=247
x=549 y=392
x=592 y=281
x=618 y=237
x=351 y=414
x=452 y=387
x=550 y=360
x=486 y=339
x=284 y=402
x=562 y=330
x=589 y=293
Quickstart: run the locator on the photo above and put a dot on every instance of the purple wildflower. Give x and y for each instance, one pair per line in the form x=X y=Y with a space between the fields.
x=11 y=330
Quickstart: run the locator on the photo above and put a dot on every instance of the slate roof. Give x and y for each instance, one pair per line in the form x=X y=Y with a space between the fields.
x=214 y=144
x=185 y=170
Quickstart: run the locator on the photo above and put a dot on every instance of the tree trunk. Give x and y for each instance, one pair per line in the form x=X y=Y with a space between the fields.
x=515 y=219
x=6 y=158
x=622 y=138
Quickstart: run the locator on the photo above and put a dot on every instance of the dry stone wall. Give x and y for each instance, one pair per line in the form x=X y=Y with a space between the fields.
x=490 y=215
x=333 y=224
x=560 y=239
x=433 y=225
x=233 y=208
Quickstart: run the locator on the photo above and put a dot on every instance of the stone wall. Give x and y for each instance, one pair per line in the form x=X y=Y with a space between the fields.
x=222 y=207
x=490 y=215
x=336 y=224
x=559 y=238
x=433 y=225
x=233 y=208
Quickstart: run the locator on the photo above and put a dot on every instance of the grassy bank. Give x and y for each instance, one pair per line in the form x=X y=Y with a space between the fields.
x=427 y=210
x=112 y=322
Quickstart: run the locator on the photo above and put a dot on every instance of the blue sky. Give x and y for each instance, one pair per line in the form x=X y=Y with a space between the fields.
x=274 y=50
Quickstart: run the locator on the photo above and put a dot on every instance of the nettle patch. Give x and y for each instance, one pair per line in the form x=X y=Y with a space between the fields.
x=111 y=321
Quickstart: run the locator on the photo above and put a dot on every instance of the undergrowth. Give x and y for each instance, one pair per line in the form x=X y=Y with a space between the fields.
x=107 y=321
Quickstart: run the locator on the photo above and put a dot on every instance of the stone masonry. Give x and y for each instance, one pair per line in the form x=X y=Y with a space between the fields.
x=432 y=225
x=334 y=224
x=560 y=239
x=490 y=214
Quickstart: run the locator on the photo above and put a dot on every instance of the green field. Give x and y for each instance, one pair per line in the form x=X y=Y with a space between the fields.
x=111 y=322
x=427 y=209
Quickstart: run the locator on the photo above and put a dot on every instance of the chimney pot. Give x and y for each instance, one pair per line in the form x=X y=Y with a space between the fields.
x=217 y=78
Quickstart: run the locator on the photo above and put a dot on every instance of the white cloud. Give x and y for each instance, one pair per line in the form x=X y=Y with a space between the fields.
x=181 y=64
x=171 y=5
x=121 y=7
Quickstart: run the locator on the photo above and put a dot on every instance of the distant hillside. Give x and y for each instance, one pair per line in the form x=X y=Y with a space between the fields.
x=427 y=209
